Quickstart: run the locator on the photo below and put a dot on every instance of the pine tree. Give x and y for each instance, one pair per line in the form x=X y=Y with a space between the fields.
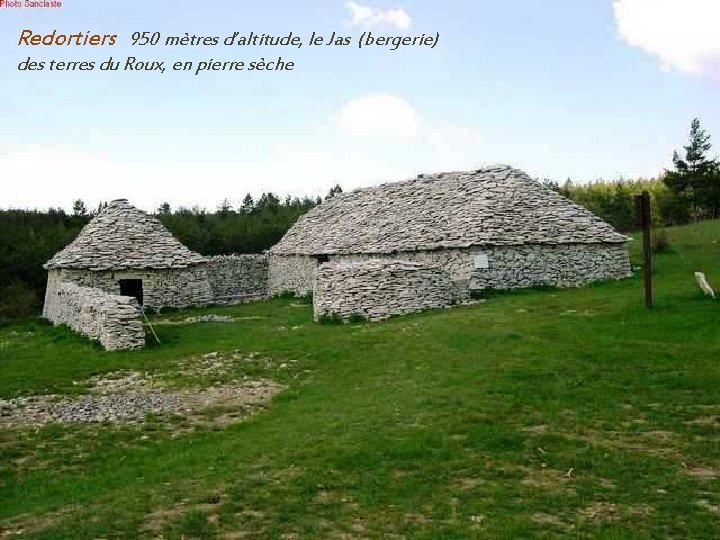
x=225 y=208
x=333 y=191
x=248 y=205
x=79 y=208
x=696 y=178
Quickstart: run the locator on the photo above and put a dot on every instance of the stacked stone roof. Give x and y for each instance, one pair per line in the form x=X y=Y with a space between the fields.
x=495 y=205
x=124 y=237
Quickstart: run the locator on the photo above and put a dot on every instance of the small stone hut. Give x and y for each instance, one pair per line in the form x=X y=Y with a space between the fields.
x=493 y=227
x=124 y=251
x=124 y=259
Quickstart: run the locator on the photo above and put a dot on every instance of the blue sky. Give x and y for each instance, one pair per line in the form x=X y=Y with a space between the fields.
x=584 y=89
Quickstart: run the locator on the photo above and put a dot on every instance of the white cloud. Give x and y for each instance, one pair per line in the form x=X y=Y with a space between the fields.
x=371 y=139
x=371 y=16
x=55 y=175
x=383 y=115
x=683 y=34
x=388 y=126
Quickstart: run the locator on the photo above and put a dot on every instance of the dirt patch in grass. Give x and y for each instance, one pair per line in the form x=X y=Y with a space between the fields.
x=600 y=511
x=713 y=421
x=702 y=473
x=34 y=523
x=540 y=428
x=664 y=444
x=550 y=520
x=707 y=505
x=467 y=484
x=608 y=511
x=156 y=522
x=548 y=479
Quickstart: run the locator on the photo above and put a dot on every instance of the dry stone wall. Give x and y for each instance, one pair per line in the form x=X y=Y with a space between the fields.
x=113 y=320
x=238 y=278
x=377 y=289
x=291 y=274
x=178 y=288
x=559 y=265
x=482 y=267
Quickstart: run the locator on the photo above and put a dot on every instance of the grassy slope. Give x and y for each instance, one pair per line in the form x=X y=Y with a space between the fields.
x=453 y=424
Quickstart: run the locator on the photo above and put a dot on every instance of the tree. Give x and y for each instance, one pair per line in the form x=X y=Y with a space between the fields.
x=248 y=205
x=164 y=209
x=101 y=206
x=225 y=208
x=333 y=191
x=79 y=208
x=566 y=188
x=696 y=178
x=549 y=184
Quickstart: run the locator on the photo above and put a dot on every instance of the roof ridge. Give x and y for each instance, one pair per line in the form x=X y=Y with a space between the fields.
x=495 y=204
x=123 y=236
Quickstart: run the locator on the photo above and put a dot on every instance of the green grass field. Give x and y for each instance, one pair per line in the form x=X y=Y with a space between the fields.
x=543 y=413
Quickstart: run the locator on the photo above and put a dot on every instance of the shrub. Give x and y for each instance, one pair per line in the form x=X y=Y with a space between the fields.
x=659 y=240
x=17 y=300
x=330 y=318
x=357 y=318
x=477 y=294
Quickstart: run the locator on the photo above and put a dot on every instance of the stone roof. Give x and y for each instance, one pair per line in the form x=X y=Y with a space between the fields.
x=123 y=237
x=495 y=205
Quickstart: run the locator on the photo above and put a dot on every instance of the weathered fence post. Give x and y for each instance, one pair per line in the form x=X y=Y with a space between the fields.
x=642 y=218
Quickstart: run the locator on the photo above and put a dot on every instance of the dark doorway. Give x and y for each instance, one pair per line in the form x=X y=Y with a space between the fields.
x=132 y=287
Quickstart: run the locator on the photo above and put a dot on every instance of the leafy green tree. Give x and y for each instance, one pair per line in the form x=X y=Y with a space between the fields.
x=696 y=177
x=79 y=208
x=333 y=191
x=164 y=209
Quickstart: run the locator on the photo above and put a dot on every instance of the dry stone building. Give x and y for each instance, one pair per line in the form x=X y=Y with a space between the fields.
x=124 y=252
x=127 y=252
x=374 y=252
x=489 y=228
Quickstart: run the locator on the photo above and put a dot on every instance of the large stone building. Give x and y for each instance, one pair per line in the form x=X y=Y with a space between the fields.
x=489 y=228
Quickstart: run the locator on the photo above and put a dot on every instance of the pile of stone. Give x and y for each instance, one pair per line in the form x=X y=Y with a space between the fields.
x=131 y=401
x=378 y=289
x=106 y=408
x=210 y=317
x=113 y=320
x=238 y=278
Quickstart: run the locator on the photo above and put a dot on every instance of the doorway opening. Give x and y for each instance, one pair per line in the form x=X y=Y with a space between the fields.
x=132 y=287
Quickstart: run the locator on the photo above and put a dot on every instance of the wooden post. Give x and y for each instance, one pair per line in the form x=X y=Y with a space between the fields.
x=642 y=219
